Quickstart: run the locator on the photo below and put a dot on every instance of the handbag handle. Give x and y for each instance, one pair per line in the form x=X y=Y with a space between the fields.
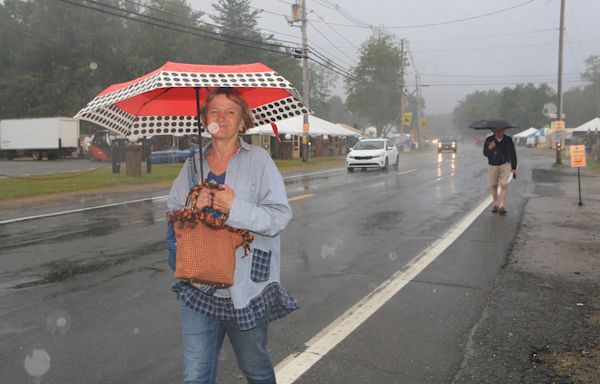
x=191 y=214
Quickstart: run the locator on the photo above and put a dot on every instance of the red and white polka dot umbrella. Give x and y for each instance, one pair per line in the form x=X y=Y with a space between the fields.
x=163 y=102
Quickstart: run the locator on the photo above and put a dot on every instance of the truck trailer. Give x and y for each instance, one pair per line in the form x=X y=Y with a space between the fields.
x=50 y=137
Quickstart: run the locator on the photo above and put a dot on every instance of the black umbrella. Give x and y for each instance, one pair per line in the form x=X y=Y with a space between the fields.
x=492 y=123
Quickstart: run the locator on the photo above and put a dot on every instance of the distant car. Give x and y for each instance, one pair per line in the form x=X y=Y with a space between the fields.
x=447 y=144
x=373 y=153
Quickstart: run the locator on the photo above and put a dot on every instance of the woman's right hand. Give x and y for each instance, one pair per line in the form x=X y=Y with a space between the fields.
x=204 y=199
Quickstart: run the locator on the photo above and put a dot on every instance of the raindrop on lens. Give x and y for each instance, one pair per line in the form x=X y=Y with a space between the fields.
x=38 y=363
x=213 y=128
x=393 y=256
x=58 y=322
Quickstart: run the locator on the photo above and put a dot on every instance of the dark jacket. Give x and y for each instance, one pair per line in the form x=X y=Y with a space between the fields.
x=503 y=152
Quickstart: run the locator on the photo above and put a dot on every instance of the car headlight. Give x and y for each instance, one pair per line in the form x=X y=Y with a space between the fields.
x=440 y=145
x=350 y=157
x=380 y=154
x=453 y=145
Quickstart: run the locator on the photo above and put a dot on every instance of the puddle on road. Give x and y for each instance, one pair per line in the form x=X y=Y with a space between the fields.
x=63 y=270
x=382 y=221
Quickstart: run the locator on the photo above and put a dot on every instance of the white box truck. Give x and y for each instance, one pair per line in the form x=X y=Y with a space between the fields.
x=50 y=137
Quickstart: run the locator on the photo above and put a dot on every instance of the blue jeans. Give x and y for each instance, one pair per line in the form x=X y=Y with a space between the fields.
x=202 y=340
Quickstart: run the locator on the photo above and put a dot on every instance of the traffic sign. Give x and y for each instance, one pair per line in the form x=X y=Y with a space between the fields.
x=577 y=155
x=407 y=119
x=558 y=125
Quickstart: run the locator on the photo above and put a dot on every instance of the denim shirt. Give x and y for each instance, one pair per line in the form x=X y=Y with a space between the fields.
x=260 y=205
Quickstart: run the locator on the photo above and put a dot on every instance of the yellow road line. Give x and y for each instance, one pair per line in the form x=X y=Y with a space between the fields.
x=300 y=197
x=407 y=171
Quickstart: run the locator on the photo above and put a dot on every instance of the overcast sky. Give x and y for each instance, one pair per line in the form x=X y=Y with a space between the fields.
x=498 y=42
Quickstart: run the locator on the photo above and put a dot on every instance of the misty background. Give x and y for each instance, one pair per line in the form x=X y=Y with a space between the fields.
x=473 y=59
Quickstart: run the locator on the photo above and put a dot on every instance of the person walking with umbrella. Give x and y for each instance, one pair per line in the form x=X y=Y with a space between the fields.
x=502 y=161
x=254 y=198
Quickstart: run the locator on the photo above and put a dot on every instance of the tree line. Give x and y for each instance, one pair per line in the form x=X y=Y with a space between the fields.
x=524 y=103
x=58 y=54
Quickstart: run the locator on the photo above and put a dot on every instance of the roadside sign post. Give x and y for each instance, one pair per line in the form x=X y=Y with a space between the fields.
x=578 y=161
x=558 y=126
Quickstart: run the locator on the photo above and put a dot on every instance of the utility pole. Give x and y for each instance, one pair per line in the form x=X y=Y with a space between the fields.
x=559 y=114
x=305 y=85
x=402 y=86
x=418 y=129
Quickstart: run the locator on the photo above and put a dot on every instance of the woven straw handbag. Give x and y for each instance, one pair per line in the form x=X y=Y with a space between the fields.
x=205 y=245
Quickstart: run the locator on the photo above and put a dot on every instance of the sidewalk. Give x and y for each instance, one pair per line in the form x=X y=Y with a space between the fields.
x=542 y=323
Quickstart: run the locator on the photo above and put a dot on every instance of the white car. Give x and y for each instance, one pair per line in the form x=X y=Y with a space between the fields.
x=373 y=153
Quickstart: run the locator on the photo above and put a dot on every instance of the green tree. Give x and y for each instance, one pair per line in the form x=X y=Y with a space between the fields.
x=592 y=75
x=579 y=105
x=236 y=19
x=51 y=70
x=524 y=104
x=475 y=106
x=374 y=89
x=321 y=81
x=179 y=39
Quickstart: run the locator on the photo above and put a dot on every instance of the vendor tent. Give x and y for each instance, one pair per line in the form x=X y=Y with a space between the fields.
x=526 y=133
x=293 y=126
x=591 y=126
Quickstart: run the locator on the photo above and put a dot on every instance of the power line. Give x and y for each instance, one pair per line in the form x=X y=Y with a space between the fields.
x=499 y=47
x=166 y=24
x=337 y=33
x=487 y=36
x=341 y=11
x=457 y=84
x=341 y=70
x=496 y=76
x=443 y=22
x=326 y=38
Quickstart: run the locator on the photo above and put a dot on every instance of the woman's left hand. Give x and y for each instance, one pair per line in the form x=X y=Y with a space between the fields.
x=223 y=199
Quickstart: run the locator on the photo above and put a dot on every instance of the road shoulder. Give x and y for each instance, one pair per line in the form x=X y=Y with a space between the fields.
x=542 y=322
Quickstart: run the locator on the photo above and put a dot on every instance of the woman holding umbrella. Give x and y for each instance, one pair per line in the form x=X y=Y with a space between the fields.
x=254 y=198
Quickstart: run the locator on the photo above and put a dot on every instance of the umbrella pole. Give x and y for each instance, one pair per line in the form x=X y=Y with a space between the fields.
x=197 y=89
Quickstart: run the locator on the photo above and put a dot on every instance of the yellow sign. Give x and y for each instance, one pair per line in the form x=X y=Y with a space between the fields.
x=577 y=155
x=423 y=123
x=557 y=125
x=407 y=119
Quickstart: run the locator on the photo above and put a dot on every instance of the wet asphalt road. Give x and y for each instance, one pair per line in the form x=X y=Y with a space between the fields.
x=26 y=167
x=85 y=297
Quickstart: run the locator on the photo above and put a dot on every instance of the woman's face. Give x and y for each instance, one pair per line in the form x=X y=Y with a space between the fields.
x=228 y=116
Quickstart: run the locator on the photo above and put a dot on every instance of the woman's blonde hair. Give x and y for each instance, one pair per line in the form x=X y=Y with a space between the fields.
x=235 y=96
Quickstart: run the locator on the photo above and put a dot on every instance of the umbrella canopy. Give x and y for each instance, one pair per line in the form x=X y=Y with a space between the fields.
x=492 y=123
x=165 y=101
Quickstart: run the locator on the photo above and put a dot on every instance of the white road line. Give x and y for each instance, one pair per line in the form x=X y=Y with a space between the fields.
x=292 y=367
x=80 y=210
x=157 y=198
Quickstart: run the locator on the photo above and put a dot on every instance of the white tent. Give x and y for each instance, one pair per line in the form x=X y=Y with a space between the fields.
x=592 y=126
x=293 y=126
x=526 y=133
